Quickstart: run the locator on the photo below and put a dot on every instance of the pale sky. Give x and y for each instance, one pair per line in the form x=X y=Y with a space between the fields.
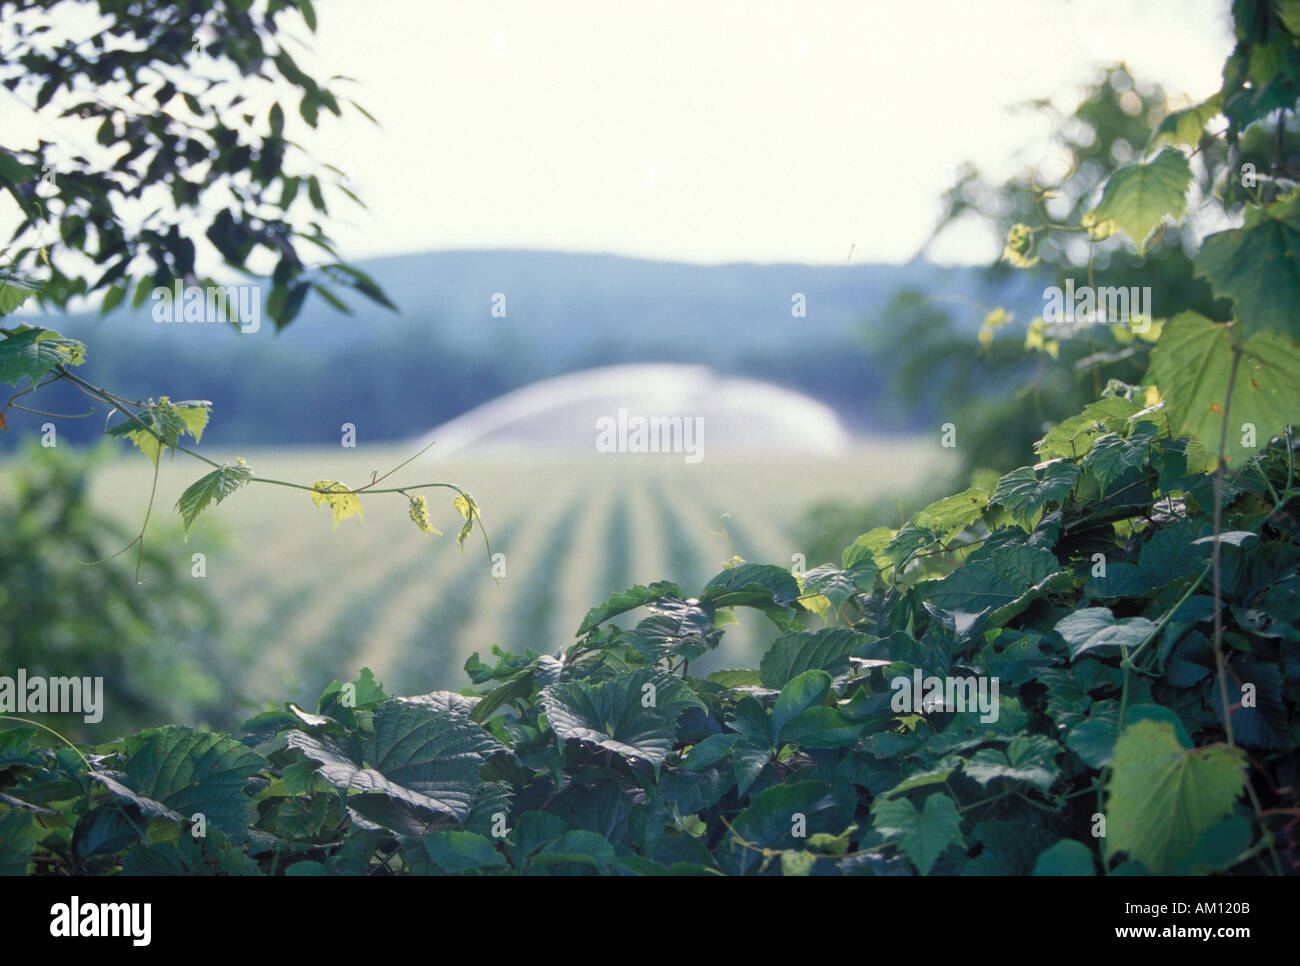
x=708 y=131
x=764 y=130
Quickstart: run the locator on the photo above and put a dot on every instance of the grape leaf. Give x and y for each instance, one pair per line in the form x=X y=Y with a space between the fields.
x=1187 y=126
x=797 y=651
x=1094 y=627
x=1112 y=456
x=615 y=714
x=337 y=497
x=1026 y=492
x=209 y=489
x=167 y=420
x=1164 y=795
x=193 y=771
x=1191 y=363
x=1073 y=437
x=1066 y=857
x=32 y=352
x=1258 y=267
x=1139 y=196
x=950 y=514
x=415 y=757
x=923 y=836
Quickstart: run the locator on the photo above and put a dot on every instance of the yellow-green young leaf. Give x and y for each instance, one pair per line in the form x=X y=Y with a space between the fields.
x=1164 y=795
x=1187 y=126
x=1258 y=267
x=337 y=498
x=952 y=513
x=1139 y=196
x=1074 y=437
x=420 y=515
x=1020 y=240
x=194 y=413
x=206 y=490
x=866 y=547
x=797 y=863
x=468 y=509
x=1191 y=364
x=167 y=420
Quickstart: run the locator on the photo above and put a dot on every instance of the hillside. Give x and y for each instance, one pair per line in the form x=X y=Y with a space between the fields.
x=397 y=375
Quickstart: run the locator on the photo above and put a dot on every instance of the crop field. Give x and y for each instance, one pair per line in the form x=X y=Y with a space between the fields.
x=305 y=603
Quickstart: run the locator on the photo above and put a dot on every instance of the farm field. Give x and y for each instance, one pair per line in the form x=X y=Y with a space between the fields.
x=305 y=604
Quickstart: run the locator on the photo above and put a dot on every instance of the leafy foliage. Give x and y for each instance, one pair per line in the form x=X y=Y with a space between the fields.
x=607 y=757
x=170 y=106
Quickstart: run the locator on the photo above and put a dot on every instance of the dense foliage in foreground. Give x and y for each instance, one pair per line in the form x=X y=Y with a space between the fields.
x=1083 y=591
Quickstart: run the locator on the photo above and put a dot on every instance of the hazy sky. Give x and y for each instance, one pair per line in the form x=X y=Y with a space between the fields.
x=715 y=131
x=709 y=131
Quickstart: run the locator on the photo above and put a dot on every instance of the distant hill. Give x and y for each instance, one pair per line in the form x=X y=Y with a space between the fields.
x=395 y=375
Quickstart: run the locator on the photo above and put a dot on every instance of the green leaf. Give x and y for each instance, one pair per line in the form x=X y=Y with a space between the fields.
x=709 y=751
x=13 y=170
x=1112 y=456
x=455 y=852
x=575 y=847
x=1066 y=857
x=1164 y=795
x=951 y=514
x=632 y=714
x=1028 y=758
x=1094 y=627
x=923 y=836
x=805 y=691
x=13 y=292
x=795 y=652
x=768 y=588
x=167 y=420
x=209 y=489
x=769 y=821
x=33 y=352
x=1188 y=125
x=1258 y=267
x=626 y=600
x=1219 y=848
x=837 y=585
x=748 y=759
x=416 y=757
x=113 y=297
x=866 y=547
x=1139 y=196
x=1075 y=436
x=192 y=771
x=822 y=727
x=18 y=836
x=1191 y=365
x=1026 y=492
x=994 y=587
